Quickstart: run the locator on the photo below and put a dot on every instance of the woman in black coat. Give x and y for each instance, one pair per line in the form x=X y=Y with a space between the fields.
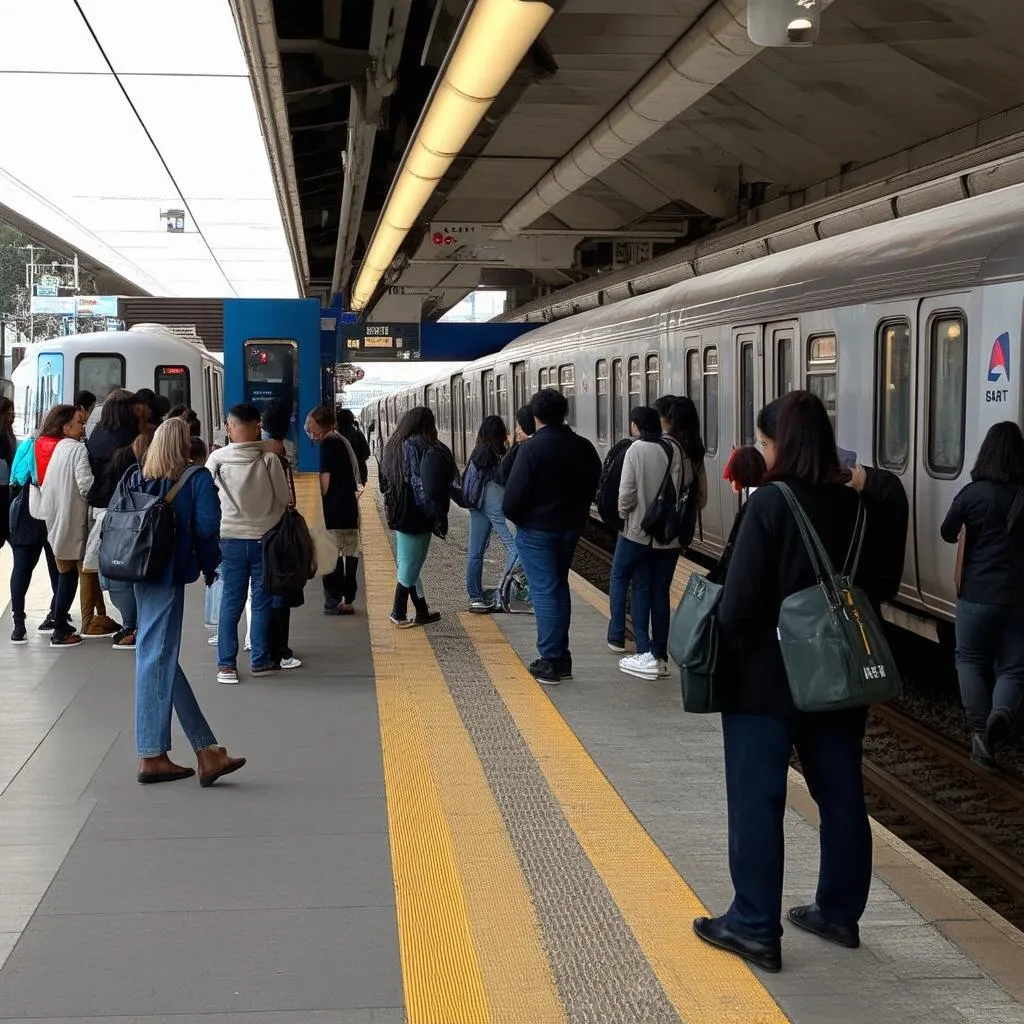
x=8 y=446
x=760 y=723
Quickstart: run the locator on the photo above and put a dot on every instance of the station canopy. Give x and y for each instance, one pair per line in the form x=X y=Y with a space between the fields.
x=125 y=119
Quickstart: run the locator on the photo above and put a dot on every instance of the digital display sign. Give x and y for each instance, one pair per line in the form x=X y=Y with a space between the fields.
x=378 y=341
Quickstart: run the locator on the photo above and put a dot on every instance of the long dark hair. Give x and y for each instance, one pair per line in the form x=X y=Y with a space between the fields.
x=8 y=441
x=1001 y=455
x=805 y=444
x=684 y=427
x=118 y=413
x=417 y=422
x=768 y=418
x=492 y=438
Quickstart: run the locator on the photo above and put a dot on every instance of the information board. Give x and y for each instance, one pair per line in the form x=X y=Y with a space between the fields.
x=378 y=341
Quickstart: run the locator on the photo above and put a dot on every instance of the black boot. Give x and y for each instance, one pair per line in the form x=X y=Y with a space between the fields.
x=981 y=752
x=400 y=609
x=19 y=635
x=424 y=616
x=998 y=728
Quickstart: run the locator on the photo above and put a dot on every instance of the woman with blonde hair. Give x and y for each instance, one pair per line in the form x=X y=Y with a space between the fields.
x=160 y=683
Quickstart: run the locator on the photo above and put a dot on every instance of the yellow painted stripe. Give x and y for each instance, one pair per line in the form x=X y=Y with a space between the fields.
x=469 y=939
x=705 y=985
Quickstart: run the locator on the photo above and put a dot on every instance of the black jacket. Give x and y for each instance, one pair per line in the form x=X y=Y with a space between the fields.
x=769 y=562
x=553 y=481
x=992 y=558
x=101 y=446
x=355 y=438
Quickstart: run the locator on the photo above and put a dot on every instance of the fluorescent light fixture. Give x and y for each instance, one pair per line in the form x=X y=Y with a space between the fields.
x=493 y=42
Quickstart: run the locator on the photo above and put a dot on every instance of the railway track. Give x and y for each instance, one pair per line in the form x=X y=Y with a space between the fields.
x=926 y=780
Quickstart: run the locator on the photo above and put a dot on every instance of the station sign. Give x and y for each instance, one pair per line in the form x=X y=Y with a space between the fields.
x=378 y=341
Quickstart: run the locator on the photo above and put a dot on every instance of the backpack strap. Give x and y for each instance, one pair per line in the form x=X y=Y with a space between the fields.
x=182 y=480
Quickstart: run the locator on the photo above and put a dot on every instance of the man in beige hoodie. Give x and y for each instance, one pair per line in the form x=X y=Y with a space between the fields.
x=254 y=494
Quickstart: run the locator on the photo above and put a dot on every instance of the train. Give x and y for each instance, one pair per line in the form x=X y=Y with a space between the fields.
x=146 y=356
x=909 y=332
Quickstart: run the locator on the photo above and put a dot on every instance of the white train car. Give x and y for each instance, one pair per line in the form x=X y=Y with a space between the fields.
x=910 y=332
x=146 y=356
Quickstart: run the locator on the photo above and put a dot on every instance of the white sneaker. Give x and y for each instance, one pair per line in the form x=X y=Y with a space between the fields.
x=616 y=648
x=213 y=640
x=291 y=663
x=662 y=669
x=481 y=607
x=247 y=646
x=643 y=666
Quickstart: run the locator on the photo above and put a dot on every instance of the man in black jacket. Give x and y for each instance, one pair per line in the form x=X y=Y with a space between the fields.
x=548 y=497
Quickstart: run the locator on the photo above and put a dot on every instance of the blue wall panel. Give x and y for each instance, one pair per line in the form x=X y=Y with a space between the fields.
x=465 y=342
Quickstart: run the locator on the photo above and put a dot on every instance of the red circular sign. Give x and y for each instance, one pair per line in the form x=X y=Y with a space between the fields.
x=437 y=238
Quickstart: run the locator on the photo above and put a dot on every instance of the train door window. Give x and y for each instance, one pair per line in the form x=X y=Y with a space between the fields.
x=785 y=363
x=653 y=378
x=490 y=406
x=271 y=374
x=822 y=365
x=501 y=396
x=693 y=380
x=543 y=379
x=711 y=398
x=635 y=383
x=618 y=389
x=174 y=383
x=893 y=370
x=567 y=385
x=428 y=398
x=99 y=373
x=947 y=394
x=601 y=381
x=49 y=384
x=747 y=392
x=208 y=399
x=518 y=386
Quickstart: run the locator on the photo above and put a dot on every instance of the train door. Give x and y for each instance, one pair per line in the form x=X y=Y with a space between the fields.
x=49 y=386
x=750 y=384
x=782 y=353
x=940 y=468
x=459 y=420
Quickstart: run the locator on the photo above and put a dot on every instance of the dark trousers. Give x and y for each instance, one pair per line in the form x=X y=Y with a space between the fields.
x=547 y=559
x=989 y=659
x=341 y=584
x=64 y=598
x=627 y=557
x=652 y=581
x=757 y=749
x=280 y=626
x=25 y=560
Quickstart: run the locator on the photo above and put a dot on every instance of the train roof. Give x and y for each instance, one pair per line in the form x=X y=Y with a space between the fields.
x=139 y=334
x=957 y=246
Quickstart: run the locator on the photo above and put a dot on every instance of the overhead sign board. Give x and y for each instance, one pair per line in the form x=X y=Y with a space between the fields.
x=47 y=305
x=96 y=305
x=378 y=341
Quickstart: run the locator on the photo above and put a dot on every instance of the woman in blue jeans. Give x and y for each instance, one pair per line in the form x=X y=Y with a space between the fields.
x=160 y=683
x=484 y=496
x=990 y=605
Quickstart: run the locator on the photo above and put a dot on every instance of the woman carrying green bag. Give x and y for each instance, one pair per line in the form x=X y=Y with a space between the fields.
x=760 y=723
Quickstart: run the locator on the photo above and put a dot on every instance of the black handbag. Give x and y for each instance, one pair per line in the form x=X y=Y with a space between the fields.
x=26 y=530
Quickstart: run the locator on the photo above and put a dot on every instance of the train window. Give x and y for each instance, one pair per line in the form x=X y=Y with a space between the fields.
x=711 y=398
x=174 y=383
x=653 y=378
x=947 y=394
x=208 y=395
x=487 y=391
x=747 y=392
x=501 y=396
x=49 y=386
x=218 y=402
x=785 y=363
x=542 y=379
x=601 y=380
x=99 y=374
x=428 y=398
x=893 y=424
x=635 y=383
x=617 y=391
x=822 y=364
x=567 y=385
x=693 y=379
x=518 y=386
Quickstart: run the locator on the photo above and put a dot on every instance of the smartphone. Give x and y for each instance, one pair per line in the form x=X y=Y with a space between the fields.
x=847 y=459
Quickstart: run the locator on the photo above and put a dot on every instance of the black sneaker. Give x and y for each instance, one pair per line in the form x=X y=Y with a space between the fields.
x=564 y=665
x=47 y=625
x=545 y=671
x=18 y=634
x=124 y=640
x=65 y=639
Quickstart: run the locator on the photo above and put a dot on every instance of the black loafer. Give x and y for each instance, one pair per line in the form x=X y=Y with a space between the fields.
x=998 y=728
x=810 y=919
x=715 y=932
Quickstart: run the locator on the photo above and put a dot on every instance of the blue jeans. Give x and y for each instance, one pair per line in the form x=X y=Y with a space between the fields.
x=628 y=555
x=411 y=550
x=481 y=523
x=160 y=683
x=757 y=749
x=989 y=659
x=122 y=596
x=547 y=559
x=241 y=569
x=651 y=602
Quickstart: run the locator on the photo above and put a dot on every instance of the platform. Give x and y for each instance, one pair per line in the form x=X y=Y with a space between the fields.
x=423 y=833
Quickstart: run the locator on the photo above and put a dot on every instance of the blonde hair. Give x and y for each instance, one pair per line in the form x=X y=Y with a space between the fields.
x=168 y=457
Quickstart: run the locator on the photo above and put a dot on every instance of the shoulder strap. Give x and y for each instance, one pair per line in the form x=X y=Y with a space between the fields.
x=182 y=480
x=820 y=561
x=860 y=528
x=666 y=447
x=1015 y=510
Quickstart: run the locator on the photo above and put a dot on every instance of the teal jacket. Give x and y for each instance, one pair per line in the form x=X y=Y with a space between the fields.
x=23 y=469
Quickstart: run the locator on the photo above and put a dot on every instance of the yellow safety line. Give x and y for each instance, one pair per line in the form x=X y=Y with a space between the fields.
x=705 y=985
x=469 y=939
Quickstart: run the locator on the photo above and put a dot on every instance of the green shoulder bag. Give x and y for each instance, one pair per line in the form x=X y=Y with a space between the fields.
x=833 y=646
x=693 y=643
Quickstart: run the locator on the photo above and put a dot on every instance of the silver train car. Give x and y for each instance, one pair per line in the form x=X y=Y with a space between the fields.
x=909 y=331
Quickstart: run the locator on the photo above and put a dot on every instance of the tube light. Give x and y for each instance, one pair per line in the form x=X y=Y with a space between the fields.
x=494 y=41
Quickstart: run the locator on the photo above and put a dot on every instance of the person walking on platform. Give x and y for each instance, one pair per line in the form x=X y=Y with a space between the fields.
x=548 y=497
x=987 y=520
x=483 y=496
x=339 y=493
x=417 y=472
x=61 y=501
x=760 y=723
x=8 y=446
x=160 y=683
x=254 y=495
x=349 y=429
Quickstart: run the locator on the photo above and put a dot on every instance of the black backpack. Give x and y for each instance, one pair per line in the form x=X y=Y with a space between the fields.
x=289 y=556
x=437 y=470
x=138 y=532
x=673 y=516
x=607 y=500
